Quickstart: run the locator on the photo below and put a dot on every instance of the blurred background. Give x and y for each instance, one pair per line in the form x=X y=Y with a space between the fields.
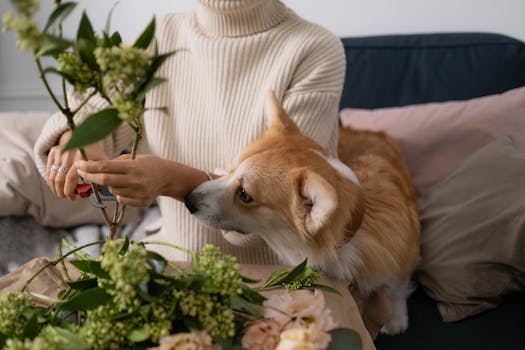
x=21 y=90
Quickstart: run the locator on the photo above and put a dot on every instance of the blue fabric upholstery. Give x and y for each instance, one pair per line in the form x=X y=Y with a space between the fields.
x=397 y=70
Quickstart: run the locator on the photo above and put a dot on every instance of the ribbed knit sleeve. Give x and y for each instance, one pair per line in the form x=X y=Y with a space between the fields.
x=57 y=125
x=312 y=100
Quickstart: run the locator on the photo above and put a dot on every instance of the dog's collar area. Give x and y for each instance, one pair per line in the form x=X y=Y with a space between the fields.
x=342 y=168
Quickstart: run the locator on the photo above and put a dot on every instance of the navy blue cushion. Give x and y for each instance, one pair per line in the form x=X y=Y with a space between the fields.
x=502 y=328
x=397 y=70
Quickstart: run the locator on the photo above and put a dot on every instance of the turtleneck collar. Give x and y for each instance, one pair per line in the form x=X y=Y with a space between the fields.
x=233 y=18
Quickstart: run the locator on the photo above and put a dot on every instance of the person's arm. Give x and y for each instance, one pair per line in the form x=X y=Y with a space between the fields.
x=312 y=98
x=137 y=182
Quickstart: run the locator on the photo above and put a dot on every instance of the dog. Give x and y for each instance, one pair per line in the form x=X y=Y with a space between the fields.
x=355 y=217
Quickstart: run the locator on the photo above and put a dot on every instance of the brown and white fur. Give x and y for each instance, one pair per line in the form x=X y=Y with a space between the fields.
x=355 y=217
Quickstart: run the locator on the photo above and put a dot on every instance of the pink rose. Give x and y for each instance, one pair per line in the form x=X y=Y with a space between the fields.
x=300 y=308
x=261 y=336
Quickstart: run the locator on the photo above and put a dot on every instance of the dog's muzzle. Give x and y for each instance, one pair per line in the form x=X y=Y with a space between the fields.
x=190 y=203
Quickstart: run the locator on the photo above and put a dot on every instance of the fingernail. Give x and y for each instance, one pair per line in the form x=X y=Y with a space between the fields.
x=80 y=172
x=77 y=164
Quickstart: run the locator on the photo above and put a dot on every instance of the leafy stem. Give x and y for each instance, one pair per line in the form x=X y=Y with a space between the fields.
x=55 y=262
x=64 y=111
x=71 y=124
x=119 y=216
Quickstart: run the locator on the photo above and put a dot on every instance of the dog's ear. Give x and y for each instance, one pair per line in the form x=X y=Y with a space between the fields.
x=316 y=201
x=279 y=121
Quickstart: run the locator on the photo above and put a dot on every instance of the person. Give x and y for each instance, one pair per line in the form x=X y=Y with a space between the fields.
x=228 y=54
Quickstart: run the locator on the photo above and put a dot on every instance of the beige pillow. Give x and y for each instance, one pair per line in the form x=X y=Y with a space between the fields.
x=435 y=138
x=473 y=232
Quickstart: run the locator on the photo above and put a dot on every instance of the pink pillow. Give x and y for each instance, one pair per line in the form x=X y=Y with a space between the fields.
x=435 y=138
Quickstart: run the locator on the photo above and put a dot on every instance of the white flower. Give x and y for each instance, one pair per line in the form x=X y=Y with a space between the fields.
x=300 y=308
x=196 y=340
x=303 y=339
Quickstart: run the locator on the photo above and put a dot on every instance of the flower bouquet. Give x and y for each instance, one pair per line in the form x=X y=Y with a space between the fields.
x=129 y=297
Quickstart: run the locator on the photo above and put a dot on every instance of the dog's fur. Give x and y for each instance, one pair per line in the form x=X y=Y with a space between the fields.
x=356 y=217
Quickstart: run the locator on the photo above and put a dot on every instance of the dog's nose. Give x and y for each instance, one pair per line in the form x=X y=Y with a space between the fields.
x=190 y=203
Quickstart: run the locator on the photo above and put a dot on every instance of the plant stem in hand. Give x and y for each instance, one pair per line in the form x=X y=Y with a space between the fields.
x=71 y=124
x=136 y=140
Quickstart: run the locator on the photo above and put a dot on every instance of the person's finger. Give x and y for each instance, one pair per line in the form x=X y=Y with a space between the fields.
x=60 y=180
x=128 y=191
x=50 y=171
x=105 y=179
x=103 y=166
x=71 y=183
x=124 y=157
x=133 y=202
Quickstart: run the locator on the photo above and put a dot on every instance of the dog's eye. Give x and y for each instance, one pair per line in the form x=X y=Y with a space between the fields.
x=243 y=195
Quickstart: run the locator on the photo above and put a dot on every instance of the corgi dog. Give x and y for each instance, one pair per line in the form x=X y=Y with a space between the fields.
x=356 y=217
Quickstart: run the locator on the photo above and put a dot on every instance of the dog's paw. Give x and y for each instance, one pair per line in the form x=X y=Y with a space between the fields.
x=396 y=325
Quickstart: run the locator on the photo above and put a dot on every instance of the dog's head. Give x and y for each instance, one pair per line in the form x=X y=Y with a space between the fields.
x=286 y=189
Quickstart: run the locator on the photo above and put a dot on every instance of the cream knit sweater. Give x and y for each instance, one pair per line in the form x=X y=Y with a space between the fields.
x=229 y=52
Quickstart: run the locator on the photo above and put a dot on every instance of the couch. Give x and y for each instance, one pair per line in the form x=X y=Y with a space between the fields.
x=386 y=73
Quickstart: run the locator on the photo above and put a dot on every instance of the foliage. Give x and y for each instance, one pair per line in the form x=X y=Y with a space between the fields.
x=130 y=297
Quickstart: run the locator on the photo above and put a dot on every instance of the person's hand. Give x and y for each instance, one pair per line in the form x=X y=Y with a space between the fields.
x=136 y=182
x=61 y=175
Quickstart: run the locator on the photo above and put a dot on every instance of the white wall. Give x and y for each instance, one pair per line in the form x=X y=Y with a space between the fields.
x=20 y=88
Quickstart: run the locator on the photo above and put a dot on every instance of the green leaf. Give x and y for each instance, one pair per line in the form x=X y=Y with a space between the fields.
x=94 y=128
x=61 y=294
x=125 y=246
x=81 y=255
x=156 y=261
x=60 y=13
x=164 y=110
x=52 y=46
x=242 y=305
x=85 y=300
x=86 y=42
x=146 y=37
x=147 y=86
x=116 y=39
x=325 y=288
x=83 y=284
x=32 y=326
x=85 y=30
x=90 y=266
x=297 y=271
x=276 y=277
x=85 y=50
x=249 y=280
x=108 y=19
x=139 y=335
x=157 y=62
x=252 y=295
x=344 y=339
x=69 y=340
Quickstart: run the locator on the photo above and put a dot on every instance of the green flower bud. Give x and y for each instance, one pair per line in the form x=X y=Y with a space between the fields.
x=26 y=7
x=28 y=36
x=81 y=75
x=14 y=309
x=129 y=110
x=125 y=67
x=8 y=21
